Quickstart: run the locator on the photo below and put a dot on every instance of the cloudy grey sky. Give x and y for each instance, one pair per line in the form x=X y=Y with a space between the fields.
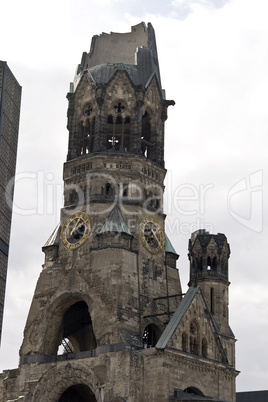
x=214 y=63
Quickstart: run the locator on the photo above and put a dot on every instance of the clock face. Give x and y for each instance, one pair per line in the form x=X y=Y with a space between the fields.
x=75 y=230
x=152 y=235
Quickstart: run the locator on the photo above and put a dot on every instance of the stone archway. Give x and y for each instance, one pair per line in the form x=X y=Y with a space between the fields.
x=78 y=393
x=55 y=326
x=150 y=336
x=194 y=391
x=66 y=380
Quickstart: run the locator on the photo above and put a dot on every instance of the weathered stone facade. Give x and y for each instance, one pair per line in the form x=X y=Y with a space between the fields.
x=109 y=290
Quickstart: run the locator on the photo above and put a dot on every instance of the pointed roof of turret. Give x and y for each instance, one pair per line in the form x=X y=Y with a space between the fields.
x=115 y=222
x=54 y=239
x=168 y=246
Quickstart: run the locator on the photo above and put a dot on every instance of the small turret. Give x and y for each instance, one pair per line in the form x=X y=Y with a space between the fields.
x=208 y=255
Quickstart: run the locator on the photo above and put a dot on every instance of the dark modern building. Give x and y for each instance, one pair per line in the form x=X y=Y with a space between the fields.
x=10 y=98
x=252 y=396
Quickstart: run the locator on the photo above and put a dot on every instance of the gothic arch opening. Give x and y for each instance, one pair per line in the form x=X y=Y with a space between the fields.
x=78 y=393
x=194 y=391
x=152 y=198
x=212 y=263
x=118 y=128
x=86 y=134
x=184 y=342
x=108 y=190
x=77 y=329
x=204 y=346
x=212 y=300
x=73 y=199
x=146 y=136
x=194 y=337
x=224 y=265
x=150 y=336
x=200 y=264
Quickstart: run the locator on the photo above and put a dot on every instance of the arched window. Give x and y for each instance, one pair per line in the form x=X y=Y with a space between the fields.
x=150 y=336
x=194 y=344
x=125 y=190
x=78 y=332
x=73 y=198
x=86 y=134
x=200 y=264
x=152 y=200
x=146 y=140
x=78 y=393
x=109 y=190
x=184 y=342
x=194 y=391
x=212 y=263
x=212 y=300
x=204 y=348
x=118 y=128
x=224 y=304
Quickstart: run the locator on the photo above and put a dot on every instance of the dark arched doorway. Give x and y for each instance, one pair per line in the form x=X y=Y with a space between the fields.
x=150 y=336
x=78 y=335
x=78 y=393
x=194 y=391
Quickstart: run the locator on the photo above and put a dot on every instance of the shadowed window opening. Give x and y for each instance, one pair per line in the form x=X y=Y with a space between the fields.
x=204 y=348
x=184 y=342
x=225 y=303
x=146 y=141
x=194 y=391
x=78 y=393
x=212 y=263
x=78 y=332
x=224 y=314
x=87 y=110
x=194 y=338
x=212 y=300
x=109 y=190
x=125 y=190
x=200 y=264
x=150 y=337
x=118 y=130
x=152 y=201
x=224 y=265
x=87 y=136
x=73 y=199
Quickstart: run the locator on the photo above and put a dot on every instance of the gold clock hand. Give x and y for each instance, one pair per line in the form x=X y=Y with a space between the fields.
x=76 y=225
x=155 y=235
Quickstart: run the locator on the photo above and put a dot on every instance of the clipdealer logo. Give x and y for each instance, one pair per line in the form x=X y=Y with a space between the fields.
x=248 y=191
x=244 y=199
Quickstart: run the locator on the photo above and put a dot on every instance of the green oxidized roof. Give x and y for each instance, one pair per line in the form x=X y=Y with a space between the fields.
x=54 y=239
x=115 y=223
x=177 y=317
x=168 y=246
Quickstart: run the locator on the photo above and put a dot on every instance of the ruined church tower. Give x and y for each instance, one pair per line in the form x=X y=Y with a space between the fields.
x=108 y=320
